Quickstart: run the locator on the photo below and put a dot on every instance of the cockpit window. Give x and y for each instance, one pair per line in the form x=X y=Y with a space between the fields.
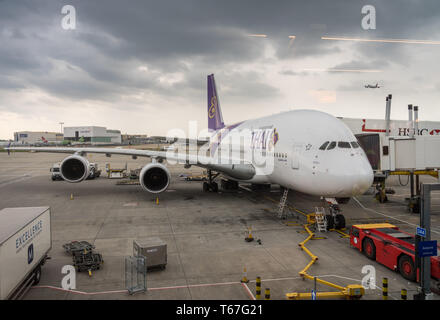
x=343 y=144
x=324 y=145
x=332 y=145
x=354 y=144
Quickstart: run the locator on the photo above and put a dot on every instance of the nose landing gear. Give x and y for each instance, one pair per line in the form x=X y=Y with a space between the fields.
x=335 y=220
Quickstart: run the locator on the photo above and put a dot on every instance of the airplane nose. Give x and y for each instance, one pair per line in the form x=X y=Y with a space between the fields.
x=345 y=178
x=363 y=179
x=354 y=178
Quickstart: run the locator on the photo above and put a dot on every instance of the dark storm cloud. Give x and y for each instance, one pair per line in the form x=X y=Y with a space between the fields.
x=100 y=59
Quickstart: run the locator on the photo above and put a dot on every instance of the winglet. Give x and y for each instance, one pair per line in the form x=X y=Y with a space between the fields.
x=215 y=119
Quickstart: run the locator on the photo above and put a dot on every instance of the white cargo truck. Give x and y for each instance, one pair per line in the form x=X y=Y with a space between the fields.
x=25 y=240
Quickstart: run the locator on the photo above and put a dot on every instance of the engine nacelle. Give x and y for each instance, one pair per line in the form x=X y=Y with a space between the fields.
x=155 y=178
x=74 y=168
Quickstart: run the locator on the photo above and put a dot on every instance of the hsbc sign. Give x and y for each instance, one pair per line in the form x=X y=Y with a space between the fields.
x=421 y=132
x=397 y=127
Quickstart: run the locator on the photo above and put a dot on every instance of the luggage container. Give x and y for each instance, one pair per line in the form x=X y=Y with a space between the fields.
x=154 y=250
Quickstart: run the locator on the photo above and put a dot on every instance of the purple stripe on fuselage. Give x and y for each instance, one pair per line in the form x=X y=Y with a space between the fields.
x=221 y=134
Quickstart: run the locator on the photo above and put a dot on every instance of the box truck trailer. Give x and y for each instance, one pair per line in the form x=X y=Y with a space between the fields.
x=25 y=240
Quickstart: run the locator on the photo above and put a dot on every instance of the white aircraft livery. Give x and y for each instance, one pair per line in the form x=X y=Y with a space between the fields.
x=305 y=150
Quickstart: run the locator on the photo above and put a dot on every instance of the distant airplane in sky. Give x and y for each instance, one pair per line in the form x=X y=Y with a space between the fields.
x=371 y=86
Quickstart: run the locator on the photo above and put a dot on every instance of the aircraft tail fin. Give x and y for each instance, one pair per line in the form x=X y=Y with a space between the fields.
x=215 y=119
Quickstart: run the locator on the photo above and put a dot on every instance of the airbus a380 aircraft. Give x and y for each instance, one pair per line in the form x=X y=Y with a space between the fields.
x=305 y=150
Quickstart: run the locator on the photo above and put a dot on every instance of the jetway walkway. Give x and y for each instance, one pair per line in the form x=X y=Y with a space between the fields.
x=403 y=155
x=420 y=154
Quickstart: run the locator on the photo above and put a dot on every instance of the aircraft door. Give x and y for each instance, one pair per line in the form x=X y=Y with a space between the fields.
x=296 y=154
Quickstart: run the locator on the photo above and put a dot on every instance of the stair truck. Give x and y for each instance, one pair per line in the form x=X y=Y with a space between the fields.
x=391 y=247
x=25 y=240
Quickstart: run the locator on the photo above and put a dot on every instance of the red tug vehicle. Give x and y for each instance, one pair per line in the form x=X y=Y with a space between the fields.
x=391 y=247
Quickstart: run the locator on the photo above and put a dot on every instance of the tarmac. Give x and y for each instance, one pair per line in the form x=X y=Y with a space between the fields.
x=205 y=234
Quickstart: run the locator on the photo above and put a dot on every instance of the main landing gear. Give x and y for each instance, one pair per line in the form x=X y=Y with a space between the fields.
x=211 y=185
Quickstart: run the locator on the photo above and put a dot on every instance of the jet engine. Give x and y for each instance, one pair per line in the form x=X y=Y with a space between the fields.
x=74 y=168
x=154 y=178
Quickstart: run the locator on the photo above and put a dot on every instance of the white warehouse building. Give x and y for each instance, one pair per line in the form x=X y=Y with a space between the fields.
x=92 y=135
x=37 y=137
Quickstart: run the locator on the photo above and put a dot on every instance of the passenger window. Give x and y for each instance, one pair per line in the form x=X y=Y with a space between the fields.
x=324 y=145
x=332 y=145
x=354 y=144
x=343 y=144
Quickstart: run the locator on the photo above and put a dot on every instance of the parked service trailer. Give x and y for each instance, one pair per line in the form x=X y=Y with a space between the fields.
x=25 y=240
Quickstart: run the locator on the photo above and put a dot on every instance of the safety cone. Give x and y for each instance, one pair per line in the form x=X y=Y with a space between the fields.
x=244 y=279
x=249 y=238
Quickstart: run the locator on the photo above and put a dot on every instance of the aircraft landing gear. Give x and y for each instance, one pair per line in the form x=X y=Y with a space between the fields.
x=229 y=185
x=335 y=220
x=211 y=185
x=381 y=195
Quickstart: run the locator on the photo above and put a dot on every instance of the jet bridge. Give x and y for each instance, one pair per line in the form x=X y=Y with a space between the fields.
x=402 y=155
x=411 y=155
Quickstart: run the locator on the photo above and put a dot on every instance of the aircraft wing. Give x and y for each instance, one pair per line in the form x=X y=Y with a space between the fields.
x=238 y=170
x=120 y=151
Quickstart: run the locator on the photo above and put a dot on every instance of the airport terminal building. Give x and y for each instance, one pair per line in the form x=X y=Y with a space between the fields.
x=92 y=134
x=37 y=137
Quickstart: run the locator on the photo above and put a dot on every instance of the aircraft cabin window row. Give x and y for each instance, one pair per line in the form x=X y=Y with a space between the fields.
x=280 y=155
x=341 y=144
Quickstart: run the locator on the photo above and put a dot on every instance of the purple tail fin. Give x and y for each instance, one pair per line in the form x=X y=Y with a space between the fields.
x=215 y=119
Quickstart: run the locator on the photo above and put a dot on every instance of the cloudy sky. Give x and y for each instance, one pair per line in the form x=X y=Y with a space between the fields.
x=141 y=66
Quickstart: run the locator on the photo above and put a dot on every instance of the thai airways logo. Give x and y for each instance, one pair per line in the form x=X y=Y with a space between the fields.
x=274 y=137
x=213 y=107
x=264 y=139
